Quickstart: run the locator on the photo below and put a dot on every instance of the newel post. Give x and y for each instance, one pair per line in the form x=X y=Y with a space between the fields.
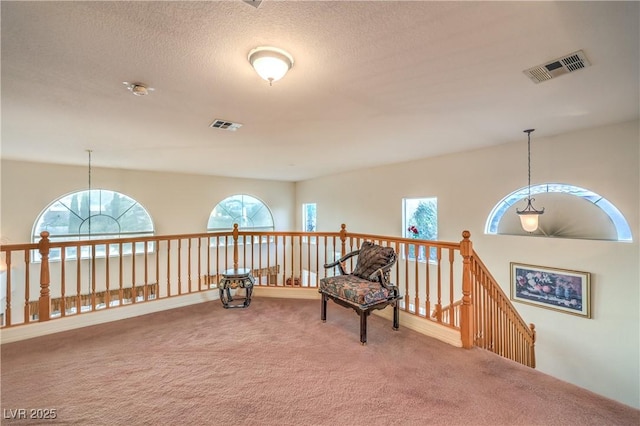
x=466 y=310
x=44 y=303
x=235 y=246
x=343 y=238
x=532 y=350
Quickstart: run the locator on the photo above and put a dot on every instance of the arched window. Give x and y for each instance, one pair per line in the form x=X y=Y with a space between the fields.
x=248 y=212
x=570 y=212
x=90 y=215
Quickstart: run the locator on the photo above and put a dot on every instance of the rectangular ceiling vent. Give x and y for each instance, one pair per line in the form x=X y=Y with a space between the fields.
x=564 y=65
x=225 y=125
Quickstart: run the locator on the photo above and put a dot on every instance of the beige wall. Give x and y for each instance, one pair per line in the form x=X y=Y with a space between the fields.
x=177 y=203
x=602 y=353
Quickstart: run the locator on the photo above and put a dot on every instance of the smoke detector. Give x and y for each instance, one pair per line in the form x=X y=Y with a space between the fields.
x=138 y=89
x=569 y=63
x=225 y=125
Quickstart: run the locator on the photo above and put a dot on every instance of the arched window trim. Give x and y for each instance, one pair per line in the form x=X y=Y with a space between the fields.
x=622 y=227
x=55 y=255
x=260 y=227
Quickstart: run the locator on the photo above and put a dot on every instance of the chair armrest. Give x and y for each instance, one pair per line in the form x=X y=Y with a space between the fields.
x=340 y=262
x=383 y=279
x=382 y=275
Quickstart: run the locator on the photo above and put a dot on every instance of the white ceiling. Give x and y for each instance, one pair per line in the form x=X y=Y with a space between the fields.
x=373 y=83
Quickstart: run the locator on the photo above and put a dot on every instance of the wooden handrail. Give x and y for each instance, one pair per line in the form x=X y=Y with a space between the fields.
x=429 y=274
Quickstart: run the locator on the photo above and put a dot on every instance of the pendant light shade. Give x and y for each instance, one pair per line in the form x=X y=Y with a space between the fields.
x=270 y=63
x=529 y=215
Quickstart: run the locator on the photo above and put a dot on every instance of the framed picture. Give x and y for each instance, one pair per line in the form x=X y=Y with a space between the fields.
x=552 y=288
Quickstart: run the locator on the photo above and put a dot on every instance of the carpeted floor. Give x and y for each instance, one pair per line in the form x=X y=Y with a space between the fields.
x=276 y=363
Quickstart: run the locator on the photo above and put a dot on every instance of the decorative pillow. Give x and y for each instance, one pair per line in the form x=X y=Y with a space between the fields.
x=371 y=258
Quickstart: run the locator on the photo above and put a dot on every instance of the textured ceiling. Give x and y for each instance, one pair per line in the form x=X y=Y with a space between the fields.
x=373 y=82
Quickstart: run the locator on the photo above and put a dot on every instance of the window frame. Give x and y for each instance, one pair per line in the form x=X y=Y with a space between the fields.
x=258 y=228
x=84 y=215
x=411 y=222
x=622 y=227
x=305 y=220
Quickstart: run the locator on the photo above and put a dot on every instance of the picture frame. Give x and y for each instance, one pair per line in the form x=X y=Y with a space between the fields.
x=552 y=288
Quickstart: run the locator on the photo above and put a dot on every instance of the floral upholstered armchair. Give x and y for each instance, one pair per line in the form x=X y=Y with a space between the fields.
x=366 y=288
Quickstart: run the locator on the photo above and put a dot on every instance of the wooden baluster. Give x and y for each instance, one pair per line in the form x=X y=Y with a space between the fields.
x=466 y=317
x=7 y=312
x=44 y=302
x=157 y=283
x=532 y=348
x=93 y=276
x=284 y=259
x=179 y=260
x=78 y=300
x=407 y=301
x=235 y=246
x=189 y=264
x=416 y=302
x=260 y=259
x=299 y=240
x=451 y=321
x=107 y=278
x=168 y=268
x=27 y=308
x=199 y=267
x=427 y=285
x=63 y=282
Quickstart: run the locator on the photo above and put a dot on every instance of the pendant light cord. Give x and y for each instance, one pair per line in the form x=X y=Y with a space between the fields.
x=528 y=132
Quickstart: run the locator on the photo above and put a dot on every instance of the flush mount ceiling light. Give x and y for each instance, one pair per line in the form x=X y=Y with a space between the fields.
x=529 y=216
x=270 y=63
x=138 y=89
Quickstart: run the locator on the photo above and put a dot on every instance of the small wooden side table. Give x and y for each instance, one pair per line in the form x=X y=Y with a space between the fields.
x=233 y=279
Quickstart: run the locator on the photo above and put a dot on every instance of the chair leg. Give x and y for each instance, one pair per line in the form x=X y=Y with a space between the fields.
x=323 y=308
x=396 y=315
x=363 y=327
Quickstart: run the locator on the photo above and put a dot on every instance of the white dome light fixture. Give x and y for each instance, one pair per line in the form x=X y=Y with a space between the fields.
x=270 y=63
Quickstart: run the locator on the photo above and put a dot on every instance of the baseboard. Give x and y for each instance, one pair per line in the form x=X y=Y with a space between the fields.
x=424 y=326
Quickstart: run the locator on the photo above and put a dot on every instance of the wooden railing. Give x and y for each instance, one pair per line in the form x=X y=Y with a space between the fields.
x=497 y=326
x=441 y=282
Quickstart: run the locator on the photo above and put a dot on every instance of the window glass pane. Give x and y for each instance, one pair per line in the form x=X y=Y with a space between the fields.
x=622 y=227
x=247 y=211
x=420 y=223
x=135 y=219
x=309 y=217
x=94 y=214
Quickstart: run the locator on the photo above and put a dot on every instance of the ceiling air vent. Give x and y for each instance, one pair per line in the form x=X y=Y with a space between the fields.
x=564 y=65
x=225 y=125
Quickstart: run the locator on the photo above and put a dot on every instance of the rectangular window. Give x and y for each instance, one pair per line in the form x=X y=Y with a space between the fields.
x=420 y=222
x=309 y=219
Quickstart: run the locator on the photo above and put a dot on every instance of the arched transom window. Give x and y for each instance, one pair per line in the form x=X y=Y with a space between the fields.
x=570 y=212
x=248 y=212
x=90 y=215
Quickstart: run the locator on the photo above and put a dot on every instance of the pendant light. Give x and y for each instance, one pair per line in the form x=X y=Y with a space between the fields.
x=529 y=216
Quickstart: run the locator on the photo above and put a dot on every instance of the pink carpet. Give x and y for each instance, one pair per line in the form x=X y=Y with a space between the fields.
x=276 y=363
